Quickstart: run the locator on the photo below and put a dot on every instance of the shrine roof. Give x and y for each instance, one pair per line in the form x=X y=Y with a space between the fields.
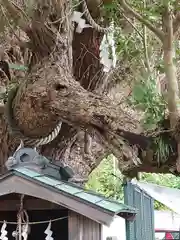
x=92 y=205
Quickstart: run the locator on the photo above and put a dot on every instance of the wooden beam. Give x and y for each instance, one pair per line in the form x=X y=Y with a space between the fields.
x=29 y=204
x=80 y=227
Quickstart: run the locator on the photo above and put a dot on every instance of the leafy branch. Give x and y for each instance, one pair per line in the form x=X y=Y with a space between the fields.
x=146 y=98
x=141 y=19
x=167 y=36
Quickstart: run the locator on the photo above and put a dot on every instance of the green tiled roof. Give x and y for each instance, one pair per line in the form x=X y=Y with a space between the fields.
x=74 y=191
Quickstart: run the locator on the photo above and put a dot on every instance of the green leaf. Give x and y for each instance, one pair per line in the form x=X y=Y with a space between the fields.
x=18 y=67
x=139 y=93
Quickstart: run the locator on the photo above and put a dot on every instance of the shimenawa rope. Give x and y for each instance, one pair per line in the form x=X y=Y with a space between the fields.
x=17 y=132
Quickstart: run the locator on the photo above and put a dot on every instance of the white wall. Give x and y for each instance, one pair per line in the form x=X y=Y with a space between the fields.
x=163 y=220
x=167 y=220
x=117 y=228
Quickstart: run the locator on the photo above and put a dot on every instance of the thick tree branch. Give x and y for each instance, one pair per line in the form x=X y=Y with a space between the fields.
x=64 y=97
x=141 y=19
x=173 y=89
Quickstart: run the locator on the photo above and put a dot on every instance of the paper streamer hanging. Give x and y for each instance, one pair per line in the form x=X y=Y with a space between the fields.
x=49 y=232
x=4 y=232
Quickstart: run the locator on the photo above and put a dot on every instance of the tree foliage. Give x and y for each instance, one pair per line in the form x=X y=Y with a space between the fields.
x=107 y=180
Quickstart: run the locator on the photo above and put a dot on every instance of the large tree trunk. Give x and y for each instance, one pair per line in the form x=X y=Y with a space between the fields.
x=69 y=147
